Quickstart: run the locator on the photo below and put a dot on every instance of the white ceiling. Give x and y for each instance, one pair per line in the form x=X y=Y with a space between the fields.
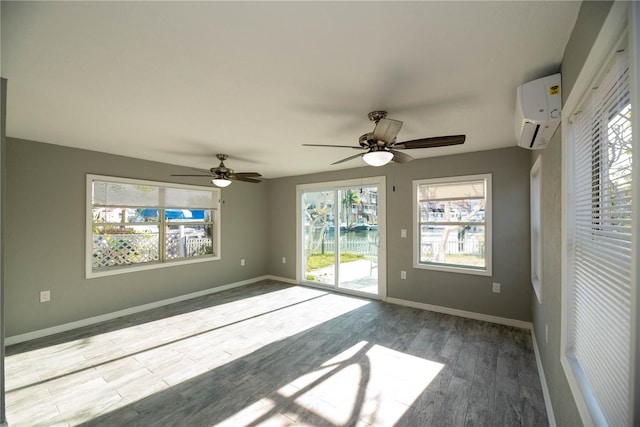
x=177 y=82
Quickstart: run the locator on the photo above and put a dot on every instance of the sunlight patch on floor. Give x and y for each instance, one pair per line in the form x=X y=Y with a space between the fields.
x=367 y=384
x=132 y=363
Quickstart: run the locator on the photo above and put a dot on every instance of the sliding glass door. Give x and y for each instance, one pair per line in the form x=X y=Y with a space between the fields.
x=342 y=229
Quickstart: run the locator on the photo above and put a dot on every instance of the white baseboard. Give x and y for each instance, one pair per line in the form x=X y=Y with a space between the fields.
x=462 y=313
x=16 y=339
x=132 y=310
x=282 y=279
x=543 y=382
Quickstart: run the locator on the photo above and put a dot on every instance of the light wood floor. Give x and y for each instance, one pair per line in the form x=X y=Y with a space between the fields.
x=274 y=354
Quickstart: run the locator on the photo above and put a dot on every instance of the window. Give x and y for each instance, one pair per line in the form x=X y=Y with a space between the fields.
x=452 y=224
x=598 y=247
x=536 y=248
x=133 y=225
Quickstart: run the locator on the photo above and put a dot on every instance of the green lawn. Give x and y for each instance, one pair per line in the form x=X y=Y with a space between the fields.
x=317 y=261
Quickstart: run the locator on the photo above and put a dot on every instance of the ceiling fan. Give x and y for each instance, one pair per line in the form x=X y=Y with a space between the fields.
x=381 y=145
x=222 y=175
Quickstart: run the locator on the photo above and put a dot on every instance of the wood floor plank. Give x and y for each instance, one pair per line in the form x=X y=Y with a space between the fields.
x=424 y=411
x=481 y=405
x=508 y=411
x=454 y=410
x=275 y=354
x=465 y=364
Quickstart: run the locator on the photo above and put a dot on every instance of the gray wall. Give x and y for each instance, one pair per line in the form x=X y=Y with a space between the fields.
x=45 y=238
x=590 y=19
x=511 y=247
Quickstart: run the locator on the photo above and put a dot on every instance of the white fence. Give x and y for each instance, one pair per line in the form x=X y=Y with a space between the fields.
x=179 y=247
x=357 y=246
x=429 y=248
x=471 y=246
x=111 y=250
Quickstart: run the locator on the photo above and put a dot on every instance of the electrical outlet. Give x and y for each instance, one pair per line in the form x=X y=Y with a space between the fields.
x=496 y=288
x=403 y=233
x=403 y=275
x=242 y=262
x=284 y=260
x=45 y=296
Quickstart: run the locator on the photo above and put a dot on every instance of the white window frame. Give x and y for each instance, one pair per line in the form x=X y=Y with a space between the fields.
x=91 y=273
x=487 y=271
x=535 y=192
x=605 y=46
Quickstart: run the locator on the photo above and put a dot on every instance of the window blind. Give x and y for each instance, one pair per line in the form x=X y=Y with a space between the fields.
x=189 y=198
x=111 y=193
x=115 y=193
x=452 y=191
x=600 y=235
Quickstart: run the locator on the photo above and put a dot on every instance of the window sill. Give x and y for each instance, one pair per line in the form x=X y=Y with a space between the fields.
x=91 y=274
x=452 y=269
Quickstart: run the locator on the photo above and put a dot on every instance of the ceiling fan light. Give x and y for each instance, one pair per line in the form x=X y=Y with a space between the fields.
x=221 y=182
x=377 y=158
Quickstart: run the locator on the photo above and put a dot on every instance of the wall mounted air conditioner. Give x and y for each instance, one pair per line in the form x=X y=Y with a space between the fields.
x=538 y=112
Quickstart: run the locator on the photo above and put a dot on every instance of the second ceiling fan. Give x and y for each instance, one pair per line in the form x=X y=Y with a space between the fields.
x=222 y=175
x=381 y=145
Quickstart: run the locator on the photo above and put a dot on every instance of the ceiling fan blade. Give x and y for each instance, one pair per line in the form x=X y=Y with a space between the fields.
x=386 y=130
x=208 y=176
x=201 y=170
x=438 y=141
x=334 y=146
x=347 y=159
x=244 y=179
x=400 y=157
x=247 y=174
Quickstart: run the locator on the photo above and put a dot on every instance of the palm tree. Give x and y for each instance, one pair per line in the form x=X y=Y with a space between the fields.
x=350 y=198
